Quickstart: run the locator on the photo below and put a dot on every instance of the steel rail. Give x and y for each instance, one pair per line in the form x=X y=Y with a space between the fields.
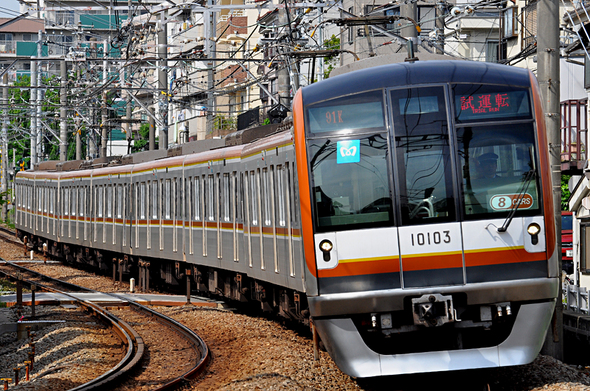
x=135 y=344
x=198 y=343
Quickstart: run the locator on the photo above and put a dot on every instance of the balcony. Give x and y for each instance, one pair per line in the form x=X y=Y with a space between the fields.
x=574 y=135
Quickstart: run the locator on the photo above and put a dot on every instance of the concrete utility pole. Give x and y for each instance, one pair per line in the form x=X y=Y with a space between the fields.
x=440 y=27
x=33 y=115
x=63 y=125
x=408 y=30
x=4 y=186
x=39 y=125
x=283 y=78
x=162 y=101
x=210 y=48
x=548 y=76
x=104 y=129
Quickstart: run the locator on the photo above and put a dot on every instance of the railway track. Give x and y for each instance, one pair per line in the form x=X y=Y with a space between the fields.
x=148 y=348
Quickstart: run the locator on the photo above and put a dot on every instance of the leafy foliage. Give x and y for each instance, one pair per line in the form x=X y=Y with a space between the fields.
x=565 y=192
x=333 y=43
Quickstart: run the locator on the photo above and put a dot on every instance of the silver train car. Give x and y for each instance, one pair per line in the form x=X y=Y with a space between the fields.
x=407 y=212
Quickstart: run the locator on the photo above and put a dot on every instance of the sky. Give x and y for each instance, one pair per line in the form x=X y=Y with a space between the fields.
x=6 y=6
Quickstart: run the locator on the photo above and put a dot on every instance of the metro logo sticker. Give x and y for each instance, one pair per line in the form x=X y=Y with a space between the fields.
x=348 y=151
x=507 y=201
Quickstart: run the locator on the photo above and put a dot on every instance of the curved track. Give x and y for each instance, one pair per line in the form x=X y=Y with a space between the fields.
x=136 y=346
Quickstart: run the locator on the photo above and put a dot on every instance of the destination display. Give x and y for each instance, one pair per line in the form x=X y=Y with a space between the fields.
x=493 y=104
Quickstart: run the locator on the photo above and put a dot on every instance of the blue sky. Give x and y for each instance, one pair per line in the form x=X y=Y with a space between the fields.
x=6 y=6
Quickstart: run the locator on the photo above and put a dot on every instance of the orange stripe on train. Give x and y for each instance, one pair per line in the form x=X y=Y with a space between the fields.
x=357 y=267
x=501 y=256
x=432 y=261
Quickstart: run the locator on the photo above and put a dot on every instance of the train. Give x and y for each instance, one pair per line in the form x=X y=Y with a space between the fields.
x=404 y=210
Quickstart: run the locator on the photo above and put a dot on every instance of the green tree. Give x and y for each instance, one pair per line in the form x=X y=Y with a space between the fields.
x=142 y=143
x=333 y=43
x=565 y=192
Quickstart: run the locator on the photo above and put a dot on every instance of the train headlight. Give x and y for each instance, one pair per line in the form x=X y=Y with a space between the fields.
x=326 y=246
x=533 y=229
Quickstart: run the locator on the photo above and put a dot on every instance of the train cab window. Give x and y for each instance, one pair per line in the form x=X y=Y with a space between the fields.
x=350 y=182
x=497 y=167
x=497 y=159
x=423 y=157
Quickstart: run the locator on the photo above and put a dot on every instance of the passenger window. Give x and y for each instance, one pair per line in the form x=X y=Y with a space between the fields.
x=350 y=183
x=423 y=156
x=142 y=201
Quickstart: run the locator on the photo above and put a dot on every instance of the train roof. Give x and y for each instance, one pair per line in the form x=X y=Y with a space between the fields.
x=425 y=72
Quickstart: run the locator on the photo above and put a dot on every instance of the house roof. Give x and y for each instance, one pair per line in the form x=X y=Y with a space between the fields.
x=23 y=25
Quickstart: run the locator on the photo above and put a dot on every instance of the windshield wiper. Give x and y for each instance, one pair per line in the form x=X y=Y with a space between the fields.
x=527 y=180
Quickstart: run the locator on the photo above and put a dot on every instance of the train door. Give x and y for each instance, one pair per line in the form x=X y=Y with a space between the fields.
x=429 y=234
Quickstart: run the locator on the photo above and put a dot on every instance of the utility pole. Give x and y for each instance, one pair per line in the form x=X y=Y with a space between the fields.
x=283 y=78
x=548 y=76
x=440 y=27
x=4 y=186
x=210 y=48
x=162 y=101
x=408 y=30
x=33 y=115
x=63 y=126
x=104 y=129
x=39 y=130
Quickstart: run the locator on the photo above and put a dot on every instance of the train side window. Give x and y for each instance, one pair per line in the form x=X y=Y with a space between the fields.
x=280 y=199
x=142 y=200
x=74 y=198
x=423 y=157
x=266 y=196
x=100 y=201
x=51 y=199
x=167 y=199
x=254 y=198
x=110 y=201
x=39 y=200
x=197 y=198
x=46 y=198
x=175 y=204
x=211 y=198
x=155 y=199
x=119 y=196
x=66 y=203
x=226 y=198
x=82 y=200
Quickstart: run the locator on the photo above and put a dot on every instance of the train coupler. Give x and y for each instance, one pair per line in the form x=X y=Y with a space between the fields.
x=433 y=310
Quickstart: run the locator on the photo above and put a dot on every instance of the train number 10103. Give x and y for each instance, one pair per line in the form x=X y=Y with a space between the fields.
x=428 y=238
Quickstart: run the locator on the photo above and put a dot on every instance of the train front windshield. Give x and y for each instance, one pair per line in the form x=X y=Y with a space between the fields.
x=352 y=155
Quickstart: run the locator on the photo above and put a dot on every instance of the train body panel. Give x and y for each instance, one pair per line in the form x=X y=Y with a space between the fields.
x=410 y=209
